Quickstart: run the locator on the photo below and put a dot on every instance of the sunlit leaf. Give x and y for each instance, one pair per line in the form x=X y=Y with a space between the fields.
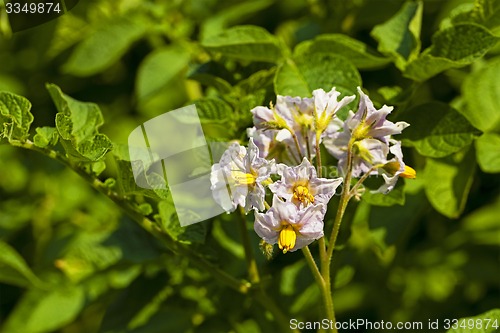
x=230 y=15
x=448 y=181
x=77 y=123
x=46 y=137
x=474 y=41
x=307 y=72
x=245 y=43
x=158 y=69
x=360 y=54
x=15 y=116
x=488 y=152
x=399 y=37
x=104 y=47
x=482 y=97
x=436 y=129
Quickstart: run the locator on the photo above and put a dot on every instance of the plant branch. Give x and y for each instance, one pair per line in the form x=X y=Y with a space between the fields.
x=241 y=286
x=253 y=270
x=360 y=181
x=238 y=285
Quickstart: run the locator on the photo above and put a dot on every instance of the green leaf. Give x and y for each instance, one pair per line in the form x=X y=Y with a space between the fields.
x=15 y=116
x=394 y=197
x=77 y=123
x=492 y=318
x=104 y=47
x=231 y=15
x=448 y=181
x=399 y=37
x=310 y=71
x=483 y=225
x=212 y=74
x=213 y=110
x=488 y=152
x=482 y=97
x=483 y=12
x=257 y=81
x=360 y=54
x=454 y=47
x=436 y=129
x=290 y=81
x=245 y=43
x=126 y=182
x=191 y=234
x=158 y=69
x=14 y=269
x=46 y=137
x=45 y=311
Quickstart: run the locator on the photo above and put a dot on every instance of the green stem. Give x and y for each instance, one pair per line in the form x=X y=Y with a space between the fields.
x=323 y=286
x=318 y=154
x=297 y=145
x=253 y=271
x=313 y=266
x=344 y=200
x=327 y=259
x=360 y=181
x=254 y=276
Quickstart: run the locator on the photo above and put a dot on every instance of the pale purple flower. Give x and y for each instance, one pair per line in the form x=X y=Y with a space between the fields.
x=237 y=178
x=293 y=118
x=369 y=122
x=326 y=106
x=301 y=185
x=289 y=226
x=366 y=154
x=370 y=133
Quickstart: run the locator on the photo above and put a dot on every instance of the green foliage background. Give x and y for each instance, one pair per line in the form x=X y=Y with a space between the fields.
x=72 y=261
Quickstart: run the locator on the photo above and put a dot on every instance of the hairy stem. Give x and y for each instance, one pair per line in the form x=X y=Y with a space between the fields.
x=318 y=155
x=344 y=200
x=297 y=145
x=360 y=181
x=323 y=286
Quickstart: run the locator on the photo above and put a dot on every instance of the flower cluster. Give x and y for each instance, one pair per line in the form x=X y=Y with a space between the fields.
x=283 y=142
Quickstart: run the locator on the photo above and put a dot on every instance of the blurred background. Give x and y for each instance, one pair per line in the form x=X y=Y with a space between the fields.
x=139 y=59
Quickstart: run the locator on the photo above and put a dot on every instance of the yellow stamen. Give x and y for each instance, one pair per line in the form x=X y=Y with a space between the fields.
x=409 y=173
x=322 y=122
x=242 y=178
x=287 y=238
x=361 y=131
x=267 y=182
x=302 y=194
x=304 y=120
